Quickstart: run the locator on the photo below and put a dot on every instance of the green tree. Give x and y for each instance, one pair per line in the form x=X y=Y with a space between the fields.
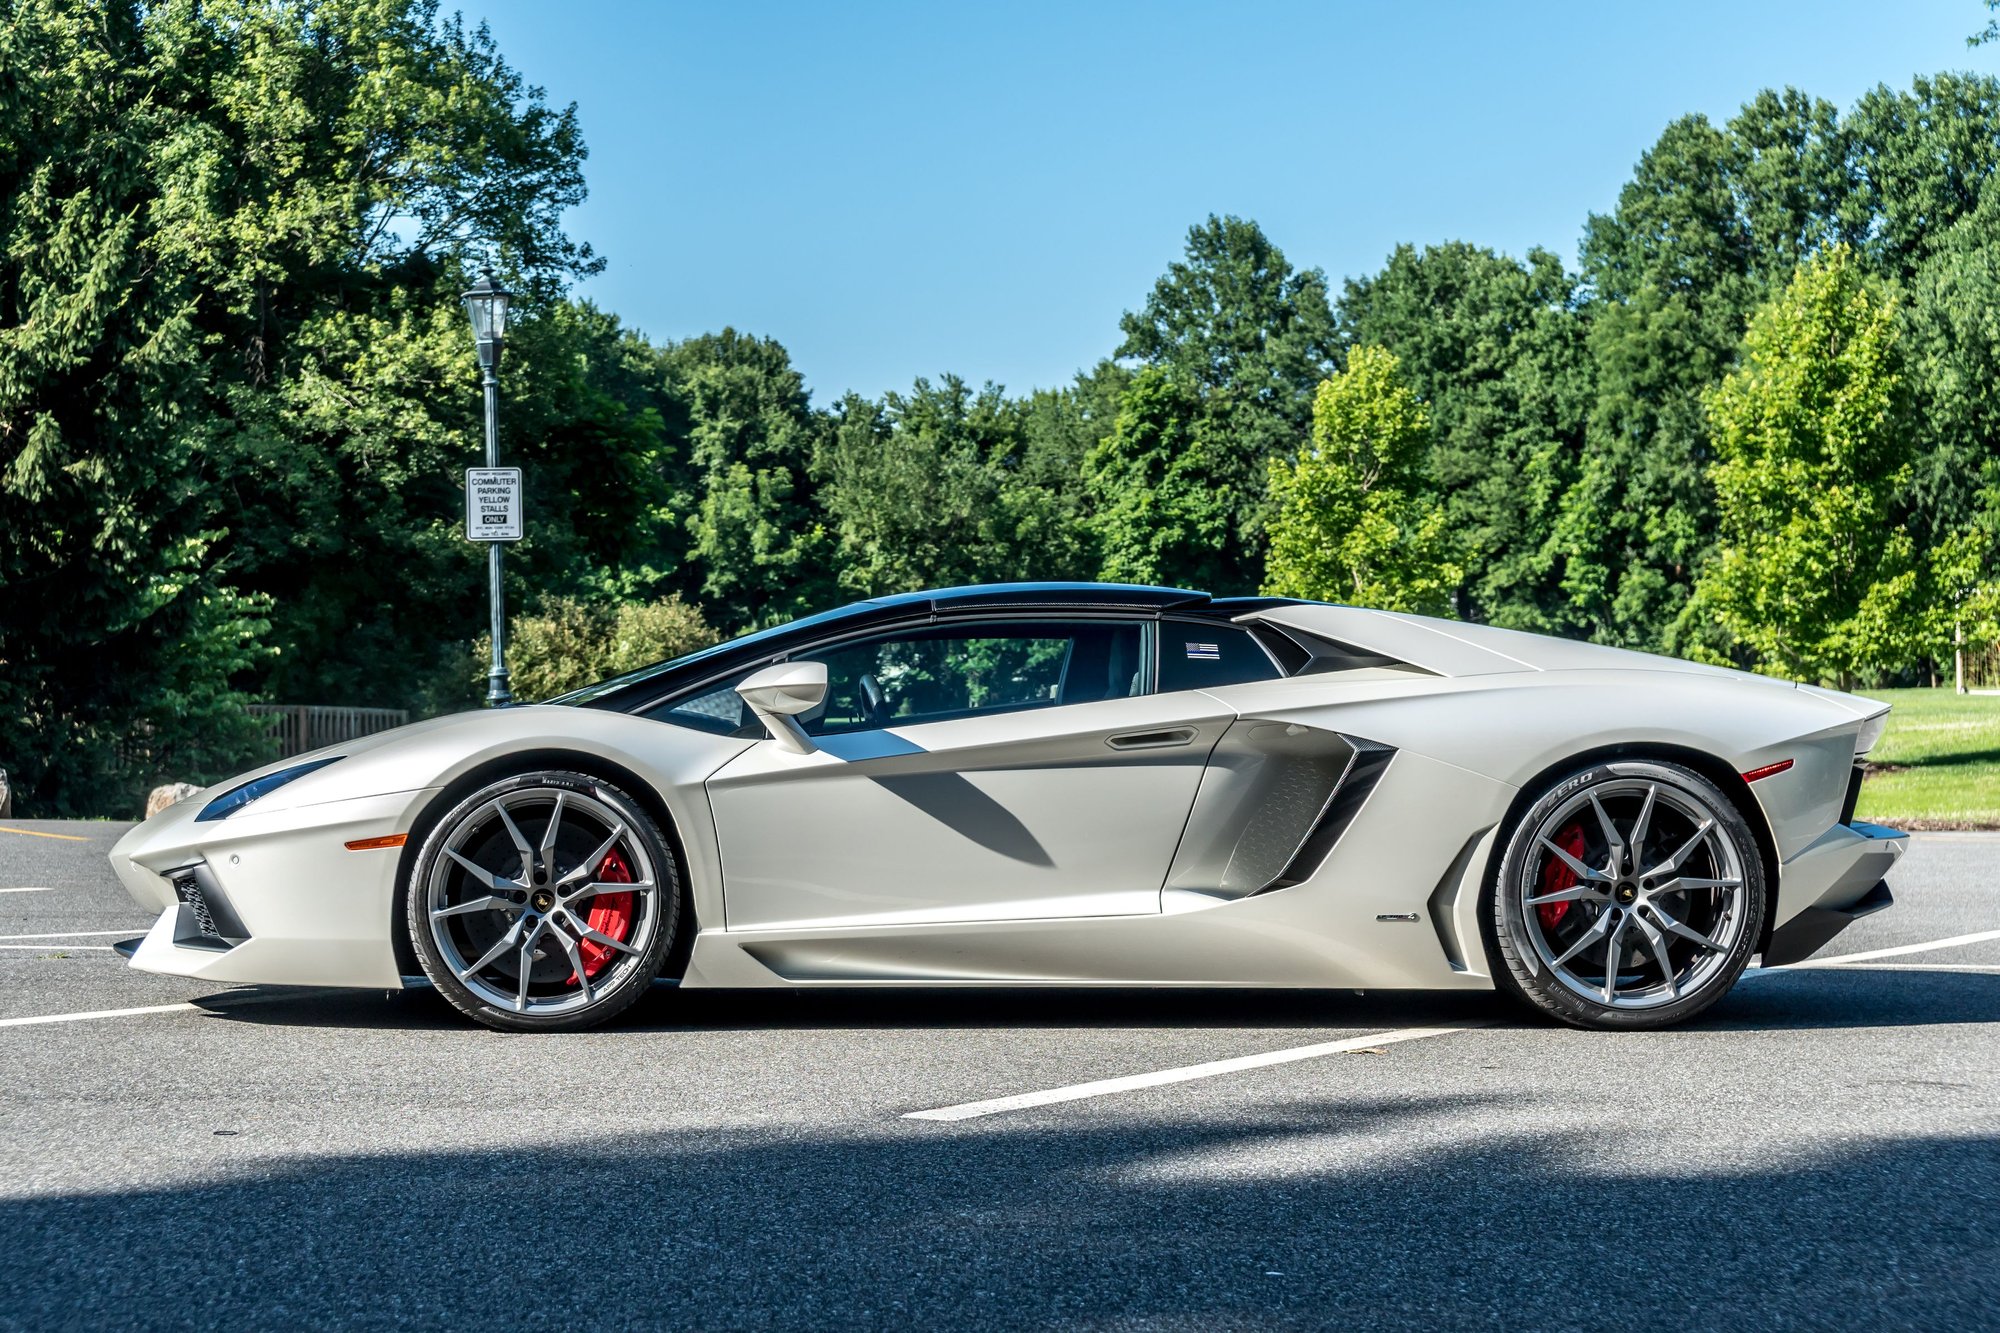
x=1161 y=487
x=233 y=383
x=760 y=547
x=119 y=627
x=1812 y=443
x=1046 y=487
x=1952 y=336
x=1243 y=339
x=1357 y=517
x=568 y=642
x=1670 y=274
x=1495 y=349
x=1712 y=222
x=927 y=489
x=1923 y=160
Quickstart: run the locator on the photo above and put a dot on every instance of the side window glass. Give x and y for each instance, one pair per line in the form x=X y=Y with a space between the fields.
x=942 y=672
x=946 y=672
x=1194 y=656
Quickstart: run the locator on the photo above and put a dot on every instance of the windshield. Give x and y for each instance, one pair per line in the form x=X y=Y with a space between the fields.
x=746 y=645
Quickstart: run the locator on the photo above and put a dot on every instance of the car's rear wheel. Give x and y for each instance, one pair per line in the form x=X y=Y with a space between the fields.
x=544 y=902
x=1631 y=895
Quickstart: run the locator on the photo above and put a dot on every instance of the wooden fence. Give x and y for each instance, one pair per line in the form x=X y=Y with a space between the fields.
x=1982 y=666
x=296 y=728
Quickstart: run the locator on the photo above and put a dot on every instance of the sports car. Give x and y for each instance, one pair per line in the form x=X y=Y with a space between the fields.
x=1053 y=784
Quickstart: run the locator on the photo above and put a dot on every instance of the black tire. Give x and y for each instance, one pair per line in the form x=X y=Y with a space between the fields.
x=1545 y=920
x=540 y=841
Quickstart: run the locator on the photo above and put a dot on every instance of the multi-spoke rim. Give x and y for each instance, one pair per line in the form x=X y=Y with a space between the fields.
x=1615 y=920
x=516 y=898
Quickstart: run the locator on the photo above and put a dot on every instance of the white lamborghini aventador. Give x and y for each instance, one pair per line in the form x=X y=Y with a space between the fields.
x=1053 y=784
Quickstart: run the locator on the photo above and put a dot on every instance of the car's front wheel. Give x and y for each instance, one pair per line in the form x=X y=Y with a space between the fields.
x=544 y=902
x=1631 y=895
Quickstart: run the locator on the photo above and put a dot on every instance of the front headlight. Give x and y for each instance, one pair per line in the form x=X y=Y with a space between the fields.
x=1871 y=731
x=227 y=804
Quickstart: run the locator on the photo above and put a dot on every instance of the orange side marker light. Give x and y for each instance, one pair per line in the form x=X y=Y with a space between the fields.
x=370 y=844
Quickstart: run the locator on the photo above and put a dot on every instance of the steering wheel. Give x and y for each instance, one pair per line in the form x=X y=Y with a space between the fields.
x=874 y=703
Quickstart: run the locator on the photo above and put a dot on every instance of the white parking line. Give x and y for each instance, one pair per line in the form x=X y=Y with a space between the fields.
x=76 y=934
x=1911 y=967
x=72 y=948
x=38 y=888
x=95 y=1013
x=1953 y=942
x=1106 y=1086
x=235 y=1000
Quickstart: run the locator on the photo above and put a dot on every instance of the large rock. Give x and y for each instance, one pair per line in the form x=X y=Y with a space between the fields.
x=171 y=794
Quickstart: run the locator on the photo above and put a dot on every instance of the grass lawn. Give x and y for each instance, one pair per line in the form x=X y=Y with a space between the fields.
x=1940 y=761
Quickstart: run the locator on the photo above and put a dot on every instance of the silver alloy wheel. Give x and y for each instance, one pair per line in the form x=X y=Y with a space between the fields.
x=509 y=900
x=1633 y=928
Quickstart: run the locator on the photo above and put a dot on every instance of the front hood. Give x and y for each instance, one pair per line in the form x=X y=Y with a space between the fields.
x=407 y=758
x=328 y=780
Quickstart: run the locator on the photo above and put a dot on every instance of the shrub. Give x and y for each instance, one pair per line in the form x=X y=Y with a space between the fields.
x=566 y=643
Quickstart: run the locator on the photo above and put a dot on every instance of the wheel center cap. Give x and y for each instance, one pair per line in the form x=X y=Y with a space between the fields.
x=1626 y=893
x=543 y=900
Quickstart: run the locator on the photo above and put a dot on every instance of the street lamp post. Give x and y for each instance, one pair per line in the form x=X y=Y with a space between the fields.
x=486 y=303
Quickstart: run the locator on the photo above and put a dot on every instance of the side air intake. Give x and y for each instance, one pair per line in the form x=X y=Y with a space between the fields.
x=1275 y=800
x=1364 y=770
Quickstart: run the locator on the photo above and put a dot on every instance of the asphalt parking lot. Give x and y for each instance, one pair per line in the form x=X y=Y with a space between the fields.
x=1822 y=1150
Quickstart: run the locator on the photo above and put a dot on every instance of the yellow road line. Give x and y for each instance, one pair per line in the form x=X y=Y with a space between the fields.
x=31 y=833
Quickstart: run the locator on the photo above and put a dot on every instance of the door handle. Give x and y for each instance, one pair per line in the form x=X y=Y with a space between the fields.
x=1151 y=740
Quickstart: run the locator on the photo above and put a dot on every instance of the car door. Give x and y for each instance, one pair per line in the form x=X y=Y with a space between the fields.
x=997 y=769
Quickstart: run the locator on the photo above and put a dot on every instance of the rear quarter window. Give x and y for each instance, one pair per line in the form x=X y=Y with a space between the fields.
x=1198 y=656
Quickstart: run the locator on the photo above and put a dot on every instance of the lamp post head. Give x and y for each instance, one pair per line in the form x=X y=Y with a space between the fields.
x=486 y=303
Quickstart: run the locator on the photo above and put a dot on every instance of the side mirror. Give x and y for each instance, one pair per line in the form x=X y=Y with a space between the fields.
x=779 y=694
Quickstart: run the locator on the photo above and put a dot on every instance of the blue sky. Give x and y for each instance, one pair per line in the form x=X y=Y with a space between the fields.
x=904 y=190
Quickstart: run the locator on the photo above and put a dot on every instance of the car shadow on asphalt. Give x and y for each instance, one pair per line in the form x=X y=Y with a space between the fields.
x=1801 y=999
x=1319 y=1211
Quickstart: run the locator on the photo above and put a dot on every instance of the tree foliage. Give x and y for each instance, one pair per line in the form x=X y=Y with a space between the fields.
x=1237 y=341
x=947 y=485
x=1812 y=439
x=759 y=542
x=237 y=396
x=568 y=642
x=1358 y=519
x=1495 y=348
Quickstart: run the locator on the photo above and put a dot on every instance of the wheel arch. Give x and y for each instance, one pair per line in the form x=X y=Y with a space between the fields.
x=529 y=761
x=1726 y=779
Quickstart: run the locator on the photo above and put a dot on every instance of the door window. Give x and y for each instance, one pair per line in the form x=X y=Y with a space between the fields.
x=953 y=671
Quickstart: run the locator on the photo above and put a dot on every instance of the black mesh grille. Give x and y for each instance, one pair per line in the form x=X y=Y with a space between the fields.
x=188 y=890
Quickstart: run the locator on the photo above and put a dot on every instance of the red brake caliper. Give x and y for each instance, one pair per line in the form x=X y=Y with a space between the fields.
x=610 y=915
x=1557 y=876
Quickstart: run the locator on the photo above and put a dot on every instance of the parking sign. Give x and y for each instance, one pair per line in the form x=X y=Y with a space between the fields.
x=493 y=504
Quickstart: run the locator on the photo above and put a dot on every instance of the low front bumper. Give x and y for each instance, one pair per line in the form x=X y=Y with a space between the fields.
x=1830 y=885
x=270 y=897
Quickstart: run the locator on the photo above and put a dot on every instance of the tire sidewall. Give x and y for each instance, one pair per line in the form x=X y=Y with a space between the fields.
x=608 y=1002
x=1527 y=978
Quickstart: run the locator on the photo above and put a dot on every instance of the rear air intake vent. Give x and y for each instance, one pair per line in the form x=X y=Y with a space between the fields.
x=1363 y=772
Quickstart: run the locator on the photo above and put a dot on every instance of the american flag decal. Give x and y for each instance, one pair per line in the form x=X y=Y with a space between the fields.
x=1204 y=652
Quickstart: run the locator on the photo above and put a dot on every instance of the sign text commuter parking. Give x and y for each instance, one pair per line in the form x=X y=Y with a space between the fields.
x=493 y=504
